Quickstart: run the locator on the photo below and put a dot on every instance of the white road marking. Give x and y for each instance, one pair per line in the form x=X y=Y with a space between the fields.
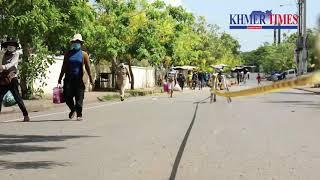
x=64 y=112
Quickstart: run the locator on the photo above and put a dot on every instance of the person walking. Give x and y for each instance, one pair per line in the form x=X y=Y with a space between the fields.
x=181 y=80
x=238 y=77
x=190 y=75
x=122 y=79
x=200 y=80
x=9 y=75
x=171 y=81
x=73 y=72
x=194 y=80
x=259 y=79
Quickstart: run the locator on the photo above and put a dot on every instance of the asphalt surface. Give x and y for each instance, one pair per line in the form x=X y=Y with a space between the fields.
x=274 y=136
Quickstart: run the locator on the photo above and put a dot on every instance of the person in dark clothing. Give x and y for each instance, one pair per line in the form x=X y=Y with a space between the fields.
x=194 y=80
x=181 y=80
x=201 y=79
x=72 y=70
x=8 y=75
x=238 y=77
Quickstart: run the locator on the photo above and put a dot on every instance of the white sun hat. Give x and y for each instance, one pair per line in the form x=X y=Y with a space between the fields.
x=77 y=37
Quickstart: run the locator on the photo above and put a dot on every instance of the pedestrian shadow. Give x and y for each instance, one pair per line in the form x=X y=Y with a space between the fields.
x=12 y=149
x=11 y=144
x=41 y=121
x=53 y=120
x=5 y=165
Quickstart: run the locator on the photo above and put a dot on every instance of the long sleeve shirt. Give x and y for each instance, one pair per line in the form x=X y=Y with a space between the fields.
x=10 y=61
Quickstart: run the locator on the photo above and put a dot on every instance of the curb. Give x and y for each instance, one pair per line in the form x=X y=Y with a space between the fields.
x=38 y=108
x=306 y=90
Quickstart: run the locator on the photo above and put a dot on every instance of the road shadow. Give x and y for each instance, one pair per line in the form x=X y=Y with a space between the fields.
x=12 y=149
x=303 y=104
x=5 y=165
x=289 y=102
x=41 y=121
x=13 y=144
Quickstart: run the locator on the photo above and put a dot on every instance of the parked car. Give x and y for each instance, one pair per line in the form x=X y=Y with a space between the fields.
x=291 y=73
x=276 y=76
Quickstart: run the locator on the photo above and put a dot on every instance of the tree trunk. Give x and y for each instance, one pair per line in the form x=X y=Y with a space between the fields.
x=25 y=89
x=113 y=71
x=131 y=73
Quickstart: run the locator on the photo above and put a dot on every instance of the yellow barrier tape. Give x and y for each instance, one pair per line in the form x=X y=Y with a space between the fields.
x=277 y=86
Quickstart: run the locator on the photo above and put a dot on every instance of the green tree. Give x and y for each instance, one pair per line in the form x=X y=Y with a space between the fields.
x=43 y=27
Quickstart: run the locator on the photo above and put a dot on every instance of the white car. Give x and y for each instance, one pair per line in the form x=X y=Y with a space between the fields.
x=291 y=74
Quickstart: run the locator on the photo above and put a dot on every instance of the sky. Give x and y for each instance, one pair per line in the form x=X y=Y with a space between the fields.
x=217 y=12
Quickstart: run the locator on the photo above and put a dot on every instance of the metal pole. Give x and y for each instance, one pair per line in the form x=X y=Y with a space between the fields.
x=279 y=34
x=304 y=34
x=275 y=37
x=298 y=51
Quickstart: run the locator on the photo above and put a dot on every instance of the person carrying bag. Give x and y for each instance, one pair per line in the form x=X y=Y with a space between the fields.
x=74 y=63
x=9 y=74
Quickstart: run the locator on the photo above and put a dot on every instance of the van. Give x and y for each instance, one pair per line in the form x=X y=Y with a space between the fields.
x=291 y=74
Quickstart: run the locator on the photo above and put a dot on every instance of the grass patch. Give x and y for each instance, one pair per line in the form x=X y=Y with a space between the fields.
x=109 y=97
x=131 y=93
x=144 y=92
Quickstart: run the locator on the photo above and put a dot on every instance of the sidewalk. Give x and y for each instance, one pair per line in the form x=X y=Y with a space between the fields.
x=309 y=89
x=46 y=103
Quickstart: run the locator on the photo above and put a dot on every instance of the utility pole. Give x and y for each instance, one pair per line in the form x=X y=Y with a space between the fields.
x=299 y=46
x=279 y=34
x=274 y=36
x=302 y=39
x=304 y=34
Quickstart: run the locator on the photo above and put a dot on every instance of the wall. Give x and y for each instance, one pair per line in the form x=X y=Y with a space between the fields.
x=143 y=77
x=52 y=76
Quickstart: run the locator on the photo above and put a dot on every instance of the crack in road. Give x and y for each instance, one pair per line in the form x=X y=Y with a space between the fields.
x=184 y=143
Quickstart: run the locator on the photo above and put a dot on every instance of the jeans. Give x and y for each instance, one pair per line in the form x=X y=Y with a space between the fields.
x=14 y=88
x=73 y=91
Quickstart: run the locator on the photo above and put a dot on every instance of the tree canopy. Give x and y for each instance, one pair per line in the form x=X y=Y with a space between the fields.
x=132 y=31
x=280 y=57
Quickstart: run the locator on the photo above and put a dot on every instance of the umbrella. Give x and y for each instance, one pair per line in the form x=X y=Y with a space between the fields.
x=185 y=67
x=219 y=66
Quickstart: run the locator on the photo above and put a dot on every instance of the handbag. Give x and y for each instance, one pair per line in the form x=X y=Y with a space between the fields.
x=6 y=77
x=8 y=99
x=58 y=97
x=177 y=88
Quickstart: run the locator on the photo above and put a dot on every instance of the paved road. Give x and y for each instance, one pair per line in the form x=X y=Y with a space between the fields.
x=275 y=136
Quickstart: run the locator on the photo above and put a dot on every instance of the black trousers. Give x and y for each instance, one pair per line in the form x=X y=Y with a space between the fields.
x=73 y=91
x=181 y=84
x=14 y=88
